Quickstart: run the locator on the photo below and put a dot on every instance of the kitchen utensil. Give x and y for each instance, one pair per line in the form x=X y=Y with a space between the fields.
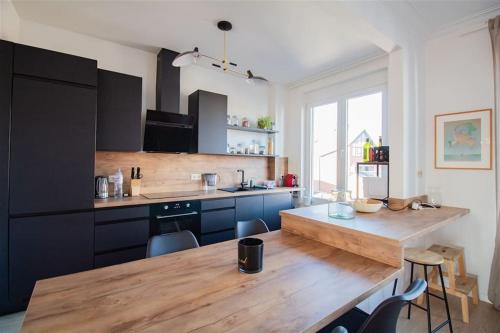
x=101 y=187
x=210 y=180
x=250 y=255
x=367 y=205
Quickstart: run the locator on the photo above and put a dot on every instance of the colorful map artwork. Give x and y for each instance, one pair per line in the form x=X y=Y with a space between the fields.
x=462 y=140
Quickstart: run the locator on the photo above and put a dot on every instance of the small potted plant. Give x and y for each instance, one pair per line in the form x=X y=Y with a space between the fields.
x=264 y=122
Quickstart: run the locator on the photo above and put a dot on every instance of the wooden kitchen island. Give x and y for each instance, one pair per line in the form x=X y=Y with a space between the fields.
x=304 y=284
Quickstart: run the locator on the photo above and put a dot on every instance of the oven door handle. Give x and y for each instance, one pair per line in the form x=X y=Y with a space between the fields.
x=160 y=217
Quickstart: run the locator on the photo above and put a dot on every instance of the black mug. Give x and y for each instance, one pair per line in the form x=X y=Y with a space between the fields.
x=250 y=254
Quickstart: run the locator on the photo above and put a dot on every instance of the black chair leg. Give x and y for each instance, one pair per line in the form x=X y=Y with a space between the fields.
x=428 y=300
x=394 y=288
x=411 y=281
x=445 y=298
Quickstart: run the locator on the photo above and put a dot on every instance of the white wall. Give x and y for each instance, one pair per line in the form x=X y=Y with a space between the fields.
x=459 y=77
x=9 y=21
x=243 y=99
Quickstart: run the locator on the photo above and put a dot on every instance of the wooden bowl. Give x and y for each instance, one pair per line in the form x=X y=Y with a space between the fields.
x=367 y=205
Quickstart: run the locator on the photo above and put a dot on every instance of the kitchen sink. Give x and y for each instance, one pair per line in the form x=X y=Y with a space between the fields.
x=240 y=189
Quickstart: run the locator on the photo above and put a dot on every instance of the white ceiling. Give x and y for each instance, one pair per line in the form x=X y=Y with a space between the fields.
x=283 y=41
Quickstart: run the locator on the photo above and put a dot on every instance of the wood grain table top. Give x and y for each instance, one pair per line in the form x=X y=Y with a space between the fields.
x=385 y=225
x=304 y=285
x=213 y=194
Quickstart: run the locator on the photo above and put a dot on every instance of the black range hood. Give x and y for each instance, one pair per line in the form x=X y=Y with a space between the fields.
x=166 y=129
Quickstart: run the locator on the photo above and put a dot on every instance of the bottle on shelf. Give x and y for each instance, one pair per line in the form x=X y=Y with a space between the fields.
x=380 y=141
x=366 y=151
x=270 y=146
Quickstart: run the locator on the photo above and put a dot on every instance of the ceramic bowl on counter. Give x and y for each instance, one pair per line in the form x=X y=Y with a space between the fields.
x=367 y=205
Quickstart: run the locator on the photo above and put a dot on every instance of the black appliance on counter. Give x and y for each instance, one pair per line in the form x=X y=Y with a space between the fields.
x=175 y=216
x=168 y=132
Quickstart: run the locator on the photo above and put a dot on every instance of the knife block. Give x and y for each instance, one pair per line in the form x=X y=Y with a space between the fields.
x=135 y=187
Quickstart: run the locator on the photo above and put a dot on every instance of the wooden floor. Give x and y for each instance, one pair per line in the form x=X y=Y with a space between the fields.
x=483 y=319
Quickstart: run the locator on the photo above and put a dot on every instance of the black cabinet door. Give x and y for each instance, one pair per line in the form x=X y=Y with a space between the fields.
x=210 y=113
x=6 y=51
x=119 y=106
x=273 y=204
x=47 y=246
x=217 y=220
x=249 y=208
x=52 y=147
x=53 y=65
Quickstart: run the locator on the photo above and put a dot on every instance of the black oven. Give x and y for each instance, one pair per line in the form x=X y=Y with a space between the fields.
x=175 y=216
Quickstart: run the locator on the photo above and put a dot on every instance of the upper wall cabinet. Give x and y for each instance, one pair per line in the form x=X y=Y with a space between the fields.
x=47 y=64
x=210 y=118
x=119 y=105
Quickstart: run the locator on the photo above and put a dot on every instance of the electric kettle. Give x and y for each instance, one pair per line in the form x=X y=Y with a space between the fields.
x=101 y=187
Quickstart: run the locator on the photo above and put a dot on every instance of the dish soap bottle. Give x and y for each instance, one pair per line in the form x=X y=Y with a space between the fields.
x=366 y=151
x=118 y=180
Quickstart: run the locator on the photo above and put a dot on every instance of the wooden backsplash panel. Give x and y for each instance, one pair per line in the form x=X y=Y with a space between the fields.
x=172 y=172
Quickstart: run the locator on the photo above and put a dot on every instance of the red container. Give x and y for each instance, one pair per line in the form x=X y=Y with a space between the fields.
x=290 y=180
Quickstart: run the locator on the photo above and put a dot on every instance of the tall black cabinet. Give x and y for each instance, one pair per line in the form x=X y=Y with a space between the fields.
x=210 y=118
x=51 y=168
x=6 y=52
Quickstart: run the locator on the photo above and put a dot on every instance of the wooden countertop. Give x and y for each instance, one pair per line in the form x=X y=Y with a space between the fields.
x=214 y=194
x=379 y=236
x=304 y=286
x=386 y=224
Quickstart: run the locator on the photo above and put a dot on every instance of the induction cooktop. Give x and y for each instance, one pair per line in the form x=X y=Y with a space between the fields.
x=176 y=194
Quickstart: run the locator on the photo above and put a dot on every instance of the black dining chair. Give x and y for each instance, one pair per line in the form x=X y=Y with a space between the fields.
x=249 y=228
x=383 y=319
x=172 y=242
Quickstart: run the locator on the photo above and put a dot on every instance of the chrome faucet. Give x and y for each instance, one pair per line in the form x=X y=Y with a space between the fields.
x=243 y=183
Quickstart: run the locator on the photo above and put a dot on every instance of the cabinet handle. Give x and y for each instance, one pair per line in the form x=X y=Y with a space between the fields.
x=159 y=217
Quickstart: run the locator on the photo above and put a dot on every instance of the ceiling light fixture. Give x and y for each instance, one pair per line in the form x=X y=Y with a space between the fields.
x=191 y=57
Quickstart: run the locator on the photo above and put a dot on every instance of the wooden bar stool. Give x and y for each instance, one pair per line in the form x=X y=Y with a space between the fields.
x=427 y=258
x=460 y=285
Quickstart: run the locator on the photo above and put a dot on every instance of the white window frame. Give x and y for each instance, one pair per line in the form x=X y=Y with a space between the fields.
x=341 y=101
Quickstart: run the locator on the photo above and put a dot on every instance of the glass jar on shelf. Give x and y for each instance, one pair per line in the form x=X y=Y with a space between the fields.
x=262 y=150
x=239 y=148
x=228 y=119
x=245 y=122
x=235 y=121
x=340 y=204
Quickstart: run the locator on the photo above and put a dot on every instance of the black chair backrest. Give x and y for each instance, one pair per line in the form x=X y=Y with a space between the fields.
x=173 y=242
x=249 y=228
x=385 y=317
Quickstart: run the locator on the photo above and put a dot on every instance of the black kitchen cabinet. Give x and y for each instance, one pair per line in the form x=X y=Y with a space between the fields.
x=273 y=204
x=119 y=106
x=46 y=246
x=249 y=208
x=121 y=235
x=6 y=54
x=41 y=63
x=210 y=119
x=52 y=146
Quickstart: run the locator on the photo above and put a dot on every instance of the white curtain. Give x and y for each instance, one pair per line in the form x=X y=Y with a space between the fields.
x=494 y=287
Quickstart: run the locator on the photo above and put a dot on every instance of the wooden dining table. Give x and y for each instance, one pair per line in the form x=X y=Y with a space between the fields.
x=304 y=285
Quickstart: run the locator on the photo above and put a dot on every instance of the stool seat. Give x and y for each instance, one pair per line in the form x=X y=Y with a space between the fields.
x=448 y=252
x=423 y=257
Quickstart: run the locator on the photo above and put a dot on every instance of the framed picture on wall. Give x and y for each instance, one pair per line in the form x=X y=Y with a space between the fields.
x=462 y=140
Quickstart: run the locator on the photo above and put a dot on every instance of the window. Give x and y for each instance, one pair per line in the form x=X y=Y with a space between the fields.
x=338 y=131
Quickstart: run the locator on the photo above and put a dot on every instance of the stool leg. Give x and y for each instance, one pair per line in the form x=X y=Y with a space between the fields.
x=394 y=288
x=427 y=300
x=411 y=281
x=445 y=298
